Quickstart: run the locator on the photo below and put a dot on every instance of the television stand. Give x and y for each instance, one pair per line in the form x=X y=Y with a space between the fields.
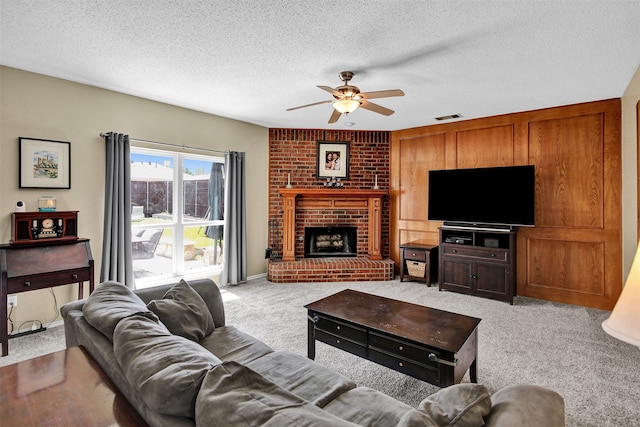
x=478 y=261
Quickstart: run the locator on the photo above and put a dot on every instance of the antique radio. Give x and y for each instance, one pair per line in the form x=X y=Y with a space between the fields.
x=45 y=227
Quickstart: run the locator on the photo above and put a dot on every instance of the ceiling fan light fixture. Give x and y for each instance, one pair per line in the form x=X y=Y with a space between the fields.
x=346 y=106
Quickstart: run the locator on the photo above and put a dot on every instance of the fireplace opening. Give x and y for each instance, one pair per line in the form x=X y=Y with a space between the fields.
x=322 y=242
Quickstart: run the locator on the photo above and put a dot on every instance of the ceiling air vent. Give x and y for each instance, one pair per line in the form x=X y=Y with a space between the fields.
x=449 y=117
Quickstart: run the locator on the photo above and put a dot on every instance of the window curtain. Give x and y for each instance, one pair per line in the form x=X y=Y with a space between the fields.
x=116 y=237
x=234 y=270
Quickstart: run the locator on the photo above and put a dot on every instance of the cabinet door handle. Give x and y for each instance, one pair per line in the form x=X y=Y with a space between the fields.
x=413 y=254
x=493 y=255
x=400 y=348
x=433 y=358
x=27 y=283
x=74 y=277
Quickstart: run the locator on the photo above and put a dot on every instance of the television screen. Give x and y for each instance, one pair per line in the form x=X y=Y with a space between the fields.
x=483 y=196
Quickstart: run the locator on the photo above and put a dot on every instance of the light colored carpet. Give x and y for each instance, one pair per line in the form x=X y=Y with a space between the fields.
x=34 y=345
x=554 y=345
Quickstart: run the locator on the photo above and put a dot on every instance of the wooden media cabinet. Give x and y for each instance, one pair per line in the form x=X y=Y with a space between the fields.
x=478 y=262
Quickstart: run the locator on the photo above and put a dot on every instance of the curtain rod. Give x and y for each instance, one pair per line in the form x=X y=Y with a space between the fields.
x=184 y=147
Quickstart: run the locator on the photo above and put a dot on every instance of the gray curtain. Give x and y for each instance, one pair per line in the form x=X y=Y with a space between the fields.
x=116 y=237
x=234 y=270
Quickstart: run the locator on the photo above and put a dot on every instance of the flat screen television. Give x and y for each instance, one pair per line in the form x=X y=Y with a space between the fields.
x=483 y=197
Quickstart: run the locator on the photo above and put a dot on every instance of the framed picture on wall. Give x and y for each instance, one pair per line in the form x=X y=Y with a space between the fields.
x=333 y=160
x=44 y=163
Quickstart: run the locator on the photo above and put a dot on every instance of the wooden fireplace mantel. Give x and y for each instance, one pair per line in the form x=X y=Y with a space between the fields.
x=332 y=198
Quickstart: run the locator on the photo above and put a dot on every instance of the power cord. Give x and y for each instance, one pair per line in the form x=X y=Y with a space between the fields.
x=9 y=319
x=56 y=313
x=36 y=324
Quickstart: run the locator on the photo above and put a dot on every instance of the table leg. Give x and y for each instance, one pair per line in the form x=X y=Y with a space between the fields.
x=311 y=339
x=473 y=371
x=4 y=335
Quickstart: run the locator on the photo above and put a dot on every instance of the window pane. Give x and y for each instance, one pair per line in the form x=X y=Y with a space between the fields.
x=203 y=190
x=199 y=249
x=151 y=188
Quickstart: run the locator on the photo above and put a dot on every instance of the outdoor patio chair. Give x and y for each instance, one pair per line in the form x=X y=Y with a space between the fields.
x=144 y=246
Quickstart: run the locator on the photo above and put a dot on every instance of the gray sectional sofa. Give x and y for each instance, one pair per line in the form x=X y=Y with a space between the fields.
x=170 y=352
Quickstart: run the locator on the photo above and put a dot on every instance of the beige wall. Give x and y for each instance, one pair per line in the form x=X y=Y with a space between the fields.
x=37 y=106
x=630 y=173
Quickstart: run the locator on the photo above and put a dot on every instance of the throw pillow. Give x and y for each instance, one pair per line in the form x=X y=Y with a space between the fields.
x=109 y=303
x=167 y=370
x=184 y=312
x=460 y=405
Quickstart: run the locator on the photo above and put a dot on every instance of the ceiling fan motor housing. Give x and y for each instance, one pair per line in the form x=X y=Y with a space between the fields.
x=345 y=76
x=348 y=91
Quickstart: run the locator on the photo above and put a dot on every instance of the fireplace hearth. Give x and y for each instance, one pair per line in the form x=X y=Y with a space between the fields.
x=321 y=242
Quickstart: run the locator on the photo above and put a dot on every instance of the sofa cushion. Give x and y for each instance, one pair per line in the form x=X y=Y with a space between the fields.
x=301 y=376
x=519 y=404
x=234 y=395
x=166 y=369
x=415 y=418
x=368 y=407
x=184 y=312
x=230 y=343
x=109 y=303
x=459 y=405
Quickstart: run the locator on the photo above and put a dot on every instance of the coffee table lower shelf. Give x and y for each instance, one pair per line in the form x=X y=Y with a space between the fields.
x=438 y=365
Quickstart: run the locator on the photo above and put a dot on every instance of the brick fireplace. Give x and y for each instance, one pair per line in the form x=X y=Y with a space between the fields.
x=293 y=158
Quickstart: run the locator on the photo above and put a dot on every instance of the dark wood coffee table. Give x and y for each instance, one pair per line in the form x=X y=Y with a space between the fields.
x=431 y=345
x=65 y=388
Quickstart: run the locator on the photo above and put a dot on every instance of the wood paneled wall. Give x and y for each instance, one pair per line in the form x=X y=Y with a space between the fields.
x=574 y=253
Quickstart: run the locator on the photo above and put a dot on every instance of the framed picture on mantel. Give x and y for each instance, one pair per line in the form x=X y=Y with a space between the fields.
x=333 y=160
x=44 y=163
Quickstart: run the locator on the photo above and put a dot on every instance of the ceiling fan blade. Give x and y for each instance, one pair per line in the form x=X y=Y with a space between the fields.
x=382 y=94
x=376 y=108
x=331 y=90
x=311 y=105
x=334 y=116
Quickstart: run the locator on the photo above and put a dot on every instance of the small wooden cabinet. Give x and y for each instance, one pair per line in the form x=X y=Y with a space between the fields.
x=419 y=261
x=478 y=262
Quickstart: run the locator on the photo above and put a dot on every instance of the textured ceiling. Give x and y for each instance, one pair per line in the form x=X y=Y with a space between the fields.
x=251 y=60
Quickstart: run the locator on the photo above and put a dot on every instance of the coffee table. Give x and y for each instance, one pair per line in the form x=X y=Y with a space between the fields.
x=432 y=345
x=65 y=388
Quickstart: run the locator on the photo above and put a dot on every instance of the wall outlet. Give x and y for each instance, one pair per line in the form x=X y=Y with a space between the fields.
x=12 y=300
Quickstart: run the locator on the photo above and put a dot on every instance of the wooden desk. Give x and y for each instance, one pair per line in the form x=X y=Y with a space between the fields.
x=65 y=388
x=39 y=266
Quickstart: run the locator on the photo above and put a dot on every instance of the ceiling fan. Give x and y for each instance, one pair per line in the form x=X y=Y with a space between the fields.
x=347 y=98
